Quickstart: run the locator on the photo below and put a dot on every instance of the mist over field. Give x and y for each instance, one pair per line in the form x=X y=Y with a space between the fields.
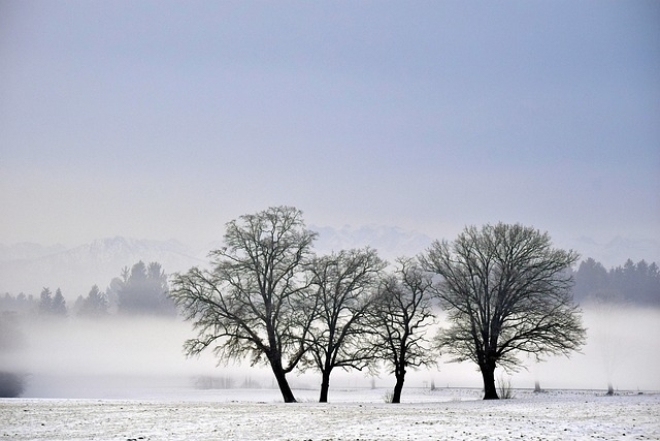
x=108 y=356
x=622 y=348
x=137 y=357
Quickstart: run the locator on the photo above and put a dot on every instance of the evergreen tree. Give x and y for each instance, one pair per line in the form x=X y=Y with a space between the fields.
x=592 y=283
x=143 y=290
x=58 y=306
x=94 y=305
x=635 y=284
x=45 y=301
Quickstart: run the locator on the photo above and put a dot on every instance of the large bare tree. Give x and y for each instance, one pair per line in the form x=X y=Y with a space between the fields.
x=255 y=302
x=401 y=318
x=505 y=290
x=345 y=285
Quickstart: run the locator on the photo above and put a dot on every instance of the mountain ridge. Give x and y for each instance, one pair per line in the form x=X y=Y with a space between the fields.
x=28 y=267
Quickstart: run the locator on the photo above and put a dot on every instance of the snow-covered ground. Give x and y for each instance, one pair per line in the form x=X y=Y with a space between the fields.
x=352 y=414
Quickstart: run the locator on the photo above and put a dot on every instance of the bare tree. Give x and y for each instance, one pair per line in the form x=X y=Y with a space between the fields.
x=505 y=290
x=345 y=285
x=255 y=302
x=403 y=314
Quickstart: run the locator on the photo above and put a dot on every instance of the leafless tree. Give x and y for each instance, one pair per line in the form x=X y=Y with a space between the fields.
x=403 y=314
x=256 y=301
x=505 y=290
x=345 y=285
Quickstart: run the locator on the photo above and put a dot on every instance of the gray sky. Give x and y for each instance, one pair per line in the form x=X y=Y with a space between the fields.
x=167 y=119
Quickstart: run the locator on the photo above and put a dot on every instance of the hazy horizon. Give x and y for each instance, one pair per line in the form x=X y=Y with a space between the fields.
x=28 y=268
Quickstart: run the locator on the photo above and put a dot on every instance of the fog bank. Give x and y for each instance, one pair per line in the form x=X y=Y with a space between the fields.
x=126 y=357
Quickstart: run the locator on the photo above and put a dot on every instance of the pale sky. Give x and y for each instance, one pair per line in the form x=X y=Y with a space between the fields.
x=159 y=120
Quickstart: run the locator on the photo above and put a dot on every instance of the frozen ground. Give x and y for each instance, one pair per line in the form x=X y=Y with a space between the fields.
x=445 y=414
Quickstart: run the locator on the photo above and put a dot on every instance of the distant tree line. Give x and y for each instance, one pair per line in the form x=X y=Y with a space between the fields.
x=139 y=290
x=633 y=284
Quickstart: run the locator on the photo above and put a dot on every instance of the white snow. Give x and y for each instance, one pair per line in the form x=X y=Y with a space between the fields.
x=352 y=414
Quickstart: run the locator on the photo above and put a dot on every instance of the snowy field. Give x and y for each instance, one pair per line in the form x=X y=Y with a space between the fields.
x=359 y=414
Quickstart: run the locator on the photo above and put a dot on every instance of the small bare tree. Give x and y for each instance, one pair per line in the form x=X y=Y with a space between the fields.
x=401 y=317
x=345 y=285
x=256 y=301
x=505 y=290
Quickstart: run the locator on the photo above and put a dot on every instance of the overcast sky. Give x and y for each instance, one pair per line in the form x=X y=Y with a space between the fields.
x=167 y=119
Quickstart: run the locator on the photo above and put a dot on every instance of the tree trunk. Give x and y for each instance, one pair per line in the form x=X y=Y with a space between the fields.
x=537 y=387
x=398 y=387
x=282 y=383
x=488 y=374
x=325 y=385
x=610 y=389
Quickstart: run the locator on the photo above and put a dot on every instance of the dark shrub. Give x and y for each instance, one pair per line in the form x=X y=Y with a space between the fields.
x=11 y=385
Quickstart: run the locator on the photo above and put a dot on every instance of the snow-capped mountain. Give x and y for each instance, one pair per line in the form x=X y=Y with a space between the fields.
x=390 y=242
x=28 y=268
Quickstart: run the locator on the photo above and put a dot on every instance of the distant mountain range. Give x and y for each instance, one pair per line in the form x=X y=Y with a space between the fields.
x=391 y=242
x=29 y=267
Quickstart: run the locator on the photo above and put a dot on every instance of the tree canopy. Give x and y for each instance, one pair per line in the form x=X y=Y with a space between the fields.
x=505 y=290
x=344 y=285
x=255 y=301
x=401 y=317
